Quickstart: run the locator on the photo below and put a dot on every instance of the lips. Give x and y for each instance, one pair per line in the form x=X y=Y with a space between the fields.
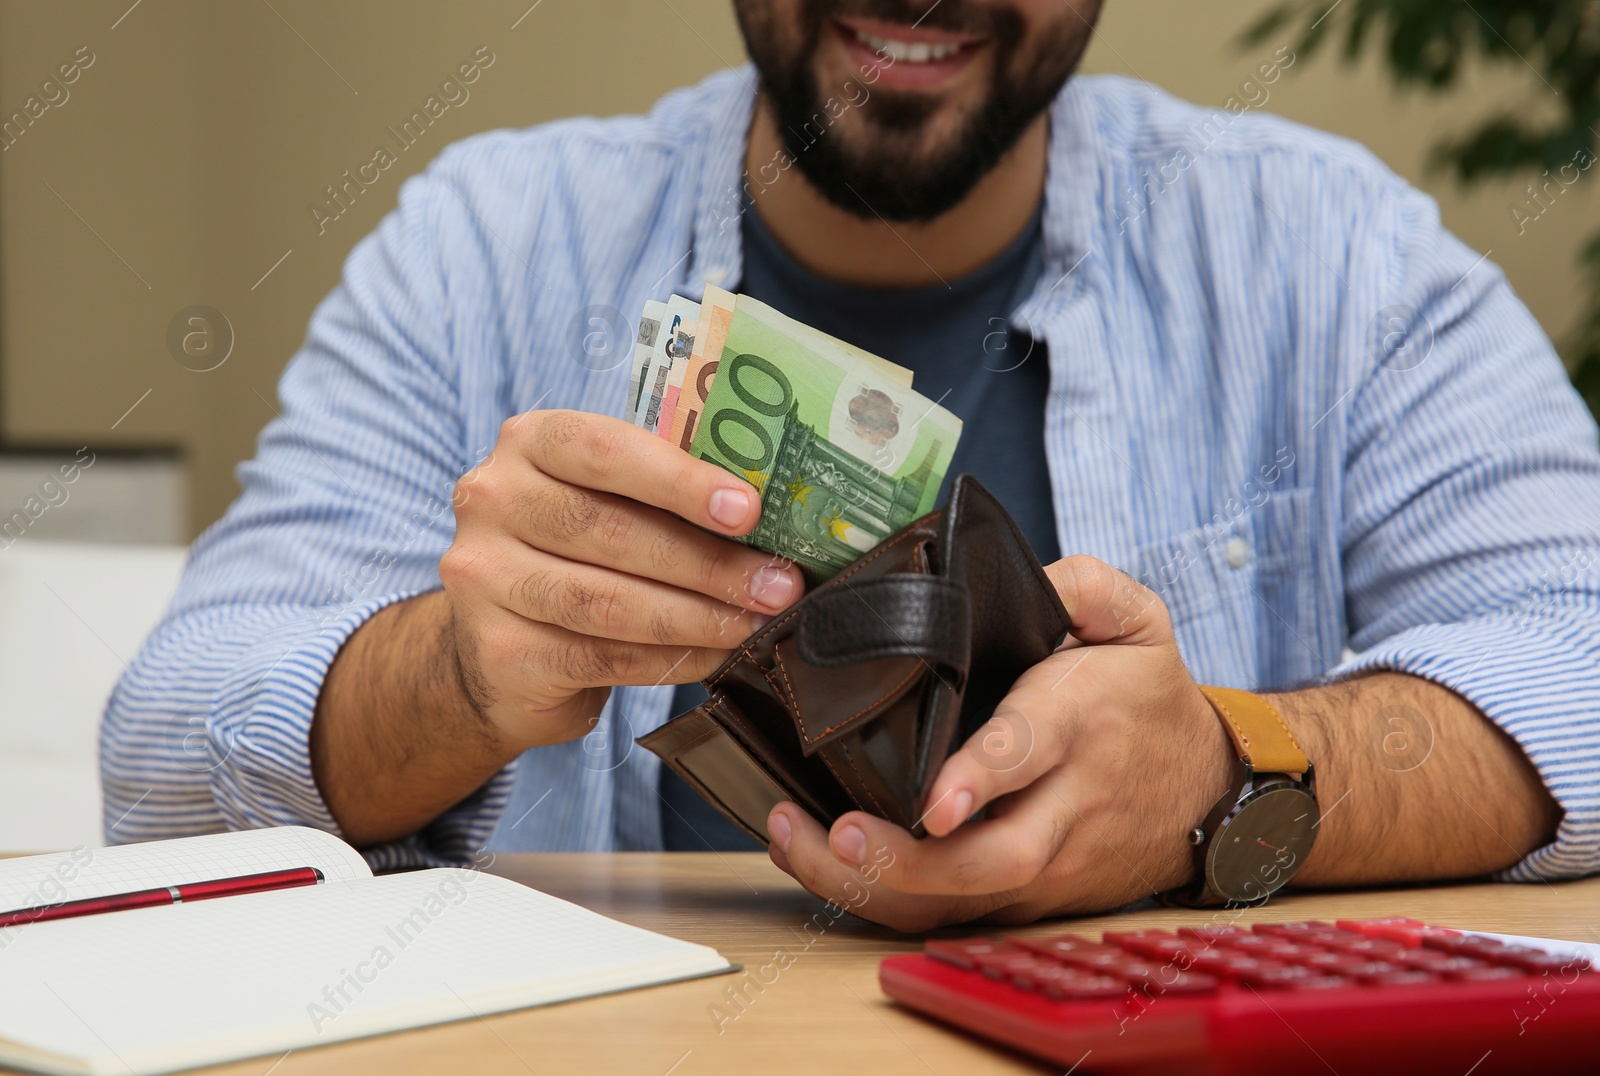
x=907 y=57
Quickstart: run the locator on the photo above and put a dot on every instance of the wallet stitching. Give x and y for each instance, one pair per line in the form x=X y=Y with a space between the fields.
x=783 y=671
x=865 y=787
x=845 y=785
x=744 y=651
x=871 y=705
x=697 y=741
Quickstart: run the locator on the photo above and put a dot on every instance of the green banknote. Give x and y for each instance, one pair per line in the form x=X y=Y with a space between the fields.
x=843 y=452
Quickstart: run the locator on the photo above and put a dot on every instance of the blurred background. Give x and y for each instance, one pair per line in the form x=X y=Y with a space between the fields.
x=165 y=231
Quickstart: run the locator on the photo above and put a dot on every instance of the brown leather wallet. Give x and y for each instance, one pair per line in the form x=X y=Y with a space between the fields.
x=853 y=697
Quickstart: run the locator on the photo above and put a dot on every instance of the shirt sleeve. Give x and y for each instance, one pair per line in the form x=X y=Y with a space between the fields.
x=345 y=509
x=1471 y=509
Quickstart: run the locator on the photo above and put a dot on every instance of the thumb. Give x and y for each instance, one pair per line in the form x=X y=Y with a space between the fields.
x=1107 y=605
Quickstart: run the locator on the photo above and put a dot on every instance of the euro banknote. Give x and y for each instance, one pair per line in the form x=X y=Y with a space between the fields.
x=841 y=448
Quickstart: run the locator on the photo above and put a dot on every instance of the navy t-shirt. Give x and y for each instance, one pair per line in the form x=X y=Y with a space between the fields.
x=955 y=338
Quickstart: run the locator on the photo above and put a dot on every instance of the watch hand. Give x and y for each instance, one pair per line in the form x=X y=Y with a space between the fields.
x=1274 y=847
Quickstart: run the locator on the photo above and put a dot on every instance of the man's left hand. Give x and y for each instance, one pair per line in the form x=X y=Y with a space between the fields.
x=1090 y=775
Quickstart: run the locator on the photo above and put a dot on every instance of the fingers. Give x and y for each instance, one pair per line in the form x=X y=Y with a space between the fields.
x=867 y=892
x=609 y=530
x=989 y=856
x=602 y=453
x=1029 y=734
x=612 y=532
x=546 y=662
x=609 y=604
x=1107 y=605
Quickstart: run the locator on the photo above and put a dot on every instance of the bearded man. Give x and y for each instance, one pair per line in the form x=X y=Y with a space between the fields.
x=1236 y=360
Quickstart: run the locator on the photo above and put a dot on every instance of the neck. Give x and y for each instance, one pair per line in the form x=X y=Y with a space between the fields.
x=876 y=253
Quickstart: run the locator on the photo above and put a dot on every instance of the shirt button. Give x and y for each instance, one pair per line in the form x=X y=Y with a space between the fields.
x=1238 y=553
x=716 y=275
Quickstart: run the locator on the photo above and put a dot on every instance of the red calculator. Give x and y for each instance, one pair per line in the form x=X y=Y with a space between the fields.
x=1351 y=997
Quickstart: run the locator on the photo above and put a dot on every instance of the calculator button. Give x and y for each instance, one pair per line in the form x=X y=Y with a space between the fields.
x=1408 y=932
x=1237 y=966
x=1211 y=933
x=1278 y=949
x=1160 y=944
x=1273 y=978
x=1039 y=974
x=1401 y=977
x=1104 y=957
x=1170 y=980
x=1073 y=985
x=1059 y=946
x=1464 y=945
x=1175 y=950
x=1488 y=973
x=1426 y=959
x=1008 y=964
x=1374 y=969
x=1536 y=961
x=1132 y=968
x=1454 y=966
x=1294 y=931
x=963 y=953
x=1318 y=982
x=1378 y=948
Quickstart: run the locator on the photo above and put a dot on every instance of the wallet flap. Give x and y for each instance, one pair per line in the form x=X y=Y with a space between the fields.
x=828 y=703
x=904 y=614
x=1017 y=616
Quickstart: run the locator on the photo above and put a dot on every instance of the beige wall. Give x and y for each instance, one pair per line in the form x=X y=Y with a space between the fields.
x=193 y=146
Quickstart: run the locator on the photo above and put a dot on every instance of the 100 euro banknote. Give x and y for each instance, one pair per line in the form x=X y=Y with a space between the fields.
x=843 y=451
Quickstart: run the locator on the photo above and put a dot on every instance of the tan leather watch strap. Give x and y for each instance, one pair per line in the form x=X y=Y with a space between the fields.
x=1258 y=731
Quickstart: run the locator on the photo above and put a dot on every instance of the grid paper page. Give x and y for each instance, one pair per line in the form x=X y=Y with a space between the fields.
x=31 y=881
x=162 y=988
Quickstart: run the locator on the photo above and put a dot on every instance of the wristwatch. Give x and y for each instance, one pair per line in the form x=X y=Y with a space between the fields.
x=1258 y=835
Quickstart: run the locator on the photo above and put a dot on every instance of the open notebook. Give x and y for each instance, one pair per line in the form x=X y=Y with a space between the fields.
x=159 y=989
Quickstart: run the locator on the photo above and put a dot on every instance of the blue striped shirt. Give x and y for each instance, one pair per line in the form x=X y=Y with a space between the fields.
x=1280 y=393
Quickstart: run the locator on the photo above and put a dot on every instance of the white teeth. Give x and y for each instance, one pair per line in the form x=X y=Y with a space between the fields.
x=900 y=51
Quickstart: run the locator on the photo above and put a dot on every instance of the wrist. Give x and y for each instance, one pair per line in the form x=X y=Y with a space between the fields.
x=1212 y=765
x=506 y=726
x=1306 y=721
x=1217 y=763
x=1257 y=834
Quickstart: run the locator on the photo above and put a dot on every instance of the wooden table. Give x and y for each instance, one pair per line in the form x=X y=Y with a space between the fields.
x=823 y=1013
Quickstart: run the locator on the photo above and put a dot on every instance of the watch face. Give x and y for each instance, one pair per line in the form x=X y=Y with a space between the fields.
x=1264 y=843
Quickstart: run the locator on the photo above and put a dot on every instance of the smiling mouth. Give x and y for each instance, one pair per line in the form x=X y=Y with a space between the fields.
x=907 y=44
x=914 y=52
x=908 y=58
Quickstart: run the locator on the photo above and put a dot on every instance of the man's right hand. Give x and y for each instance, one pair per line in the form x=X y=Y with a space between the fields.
x=580 y=564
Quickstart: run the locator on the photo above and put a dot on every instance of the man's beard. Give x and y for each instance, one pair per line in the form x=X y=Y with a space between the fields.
x=889 y=172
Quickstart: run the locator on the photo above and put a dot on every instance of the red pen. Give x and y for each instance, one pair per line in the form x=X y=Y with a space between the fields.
x=167 y=894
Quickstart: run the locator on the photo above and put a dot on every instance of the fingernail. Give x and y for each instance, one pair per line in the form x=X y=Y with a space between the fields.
x=851 y=843
x=779 y=825
x=730 y=506
x=759 y=621
x=771 y=587
x=963 y=803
